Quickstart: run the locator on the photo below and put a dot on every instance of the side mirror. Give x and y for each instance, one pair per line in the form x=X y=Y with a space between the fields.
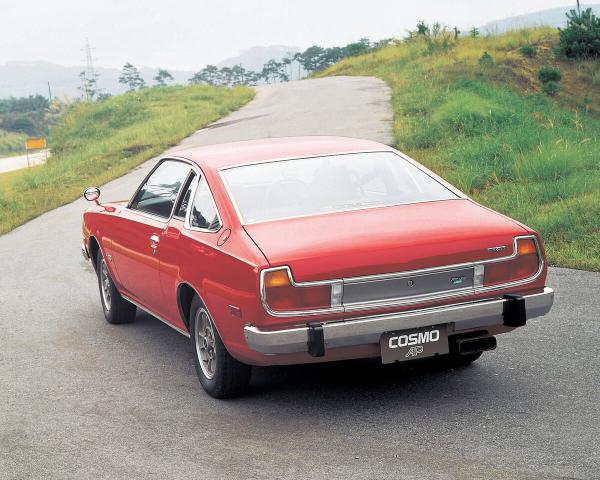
x=92 y=194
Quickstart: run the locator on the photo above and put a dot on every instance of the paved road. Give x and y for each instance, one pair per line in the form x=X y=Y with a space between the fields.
x=83 y=399
x=8 y=164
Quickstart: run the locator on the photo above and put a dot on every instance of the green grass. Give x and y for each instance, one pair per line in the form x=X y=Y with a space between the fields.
x=490 y=131
x=96 y=142
x=11 y=143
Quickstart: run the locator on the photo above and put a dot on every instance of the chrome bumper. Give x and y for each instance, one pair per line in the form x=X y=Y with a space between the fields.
x=368 y=330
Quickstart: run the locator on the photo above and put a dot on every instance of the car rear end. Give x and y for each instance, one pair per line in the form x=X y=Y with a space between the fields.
x=437 y=274
x=463 y=305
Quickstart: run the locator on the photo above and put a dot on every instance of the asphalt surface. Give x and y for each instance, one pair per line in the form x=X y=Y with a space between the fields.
x=8 y=164
x=80 y=398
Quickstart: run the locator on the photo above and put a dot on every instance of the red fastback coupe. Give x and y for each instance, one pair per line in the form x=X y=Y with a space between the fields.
x=312 y=249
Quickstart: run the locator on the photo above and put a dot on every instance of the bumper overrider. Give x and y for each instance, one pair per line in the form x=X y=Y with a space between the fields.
x=316 y=337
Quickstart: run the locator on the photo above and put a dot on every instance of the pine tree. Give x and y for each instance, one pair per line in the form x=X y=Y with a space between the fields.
x=131 y=77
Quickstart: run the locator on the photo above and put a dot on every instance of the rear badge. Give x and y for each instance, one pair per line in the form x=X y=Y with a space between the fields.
x=497 y=249
x=457 y=280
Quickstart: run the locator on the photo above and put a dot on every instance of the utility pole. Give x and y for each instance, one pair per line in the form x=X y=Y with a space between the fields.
x=90 y=74
x=89 y=64
x=49 y=93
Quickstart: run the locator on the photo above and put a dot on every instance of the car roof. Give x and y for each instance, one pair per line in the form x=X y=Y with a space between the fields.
x=237 y=153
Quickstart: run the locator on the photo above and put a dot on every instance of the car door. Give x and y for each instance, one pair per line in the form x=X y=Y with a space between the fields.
x=196 y=211
x=141 y=227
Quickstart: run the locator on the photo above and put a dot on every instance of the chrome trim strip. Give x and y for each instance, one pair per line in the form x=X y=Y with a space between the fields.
x=302 y=157
x=183 y=332
x=397 y=302
x=368 y=329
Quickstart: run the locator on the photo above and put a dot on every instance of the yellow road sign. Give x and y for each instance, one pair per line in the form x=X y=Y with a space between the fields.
x=35 y=143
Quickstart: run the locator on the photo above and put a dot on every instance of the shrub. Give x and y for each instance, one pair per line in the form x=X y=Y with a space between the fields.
x=486 y=59
x=596 y=78
x=550 y=88
x=581 y=36
x=549 y=74
x=528 y=51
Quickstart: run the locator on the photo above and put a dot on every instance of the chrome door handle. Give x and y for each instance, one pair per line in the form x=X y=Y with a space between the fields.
x=154 y=240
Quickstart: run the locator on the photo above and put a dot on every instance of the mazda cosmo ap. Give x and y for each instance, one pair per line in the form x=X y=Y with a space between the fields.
x=312 y=249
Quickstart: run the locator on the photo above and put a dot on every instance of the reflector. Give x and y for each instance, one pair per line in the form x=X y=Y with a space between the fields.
x=277 y=278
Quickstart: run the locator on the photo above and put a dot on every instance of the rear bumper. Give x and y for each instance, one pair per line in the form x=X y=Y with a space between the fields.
x=502 y=312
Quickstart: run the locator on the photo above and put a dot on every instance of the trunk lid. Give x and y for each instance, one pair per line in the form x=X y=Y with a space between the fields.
x=385 y=240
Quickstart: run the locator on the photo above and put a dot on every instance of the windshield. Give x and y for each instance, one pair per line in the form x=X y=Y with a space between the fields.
x=308 y=186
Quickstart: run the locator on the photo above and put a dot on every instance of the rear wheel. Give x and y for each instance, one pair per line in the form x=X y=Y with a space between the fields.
x=221 y=375
x=116 y=308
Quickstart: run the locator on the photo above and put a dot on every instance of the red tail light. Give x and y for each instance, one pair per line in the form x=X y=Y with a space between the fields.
x=281 y=294
x=524 y=265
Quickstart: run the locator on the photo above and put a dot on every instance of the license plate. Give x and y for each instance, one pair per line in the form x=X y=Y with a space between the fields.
x=415 y=343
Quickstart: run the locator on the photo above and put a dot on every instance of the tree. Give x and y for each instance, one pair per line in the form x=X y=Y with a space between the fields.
x=239 y=75
x=334 y=54
x=581 y=36
x=162 y=77
x=225 y=76
x=273 y=71
x=88 y=85
x=456 y=33
x=312 y=58
x=286 y=62
x=422 y=28
x=474 y=32
x=298 y=59
x=358 y=48
x=131 y=77
x=30 y=115
x=209 y=75
x=385 y=42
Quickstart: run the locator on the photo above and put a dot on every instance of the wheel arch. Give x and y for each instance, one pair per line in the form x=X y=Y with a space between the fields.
x=185 y=296
x=93 y=248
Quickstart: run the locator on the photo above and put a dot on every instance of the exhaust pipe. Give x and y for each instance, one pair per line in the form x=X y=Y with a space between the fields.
x=466 y=346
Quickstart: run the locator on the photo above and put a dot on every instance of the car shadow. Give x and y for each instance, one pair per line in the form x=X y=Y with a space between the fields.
x=353 y=384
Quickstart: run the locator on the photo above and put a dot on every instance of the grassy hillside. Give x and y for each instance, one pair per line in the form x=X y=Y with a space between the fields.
x=487 y=128
x=96 y=142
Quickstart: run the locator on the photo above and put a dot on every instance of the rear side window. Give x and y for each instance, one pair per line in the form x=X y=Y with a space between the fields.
x=184 y=200
x=204 y=213
x=158 y=194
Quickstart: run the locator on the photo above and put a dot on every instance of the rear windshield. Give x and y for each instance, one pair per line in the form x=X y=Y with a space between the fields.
x=308 y=186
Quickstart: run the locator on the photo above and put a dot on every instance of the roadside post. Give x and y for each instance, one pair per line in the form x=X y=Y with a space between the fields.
x=35 y=143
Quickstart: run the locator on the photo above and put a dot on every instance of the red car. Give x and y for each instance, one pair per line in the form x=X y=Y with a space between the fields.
x=312 y=249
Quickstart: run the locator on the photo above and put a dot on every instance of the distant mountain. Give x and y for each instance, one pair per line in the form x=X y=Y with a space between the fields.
x=553 y=17
x=255 y=57
x=20 y=79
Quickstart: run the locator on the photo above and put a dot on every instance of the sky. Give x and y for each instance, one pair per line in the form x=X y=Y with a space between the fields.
x=189 y=34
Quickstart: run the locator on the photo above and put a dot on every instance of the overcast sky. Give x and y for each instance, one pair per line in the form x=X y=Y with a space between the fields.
x=189 y=34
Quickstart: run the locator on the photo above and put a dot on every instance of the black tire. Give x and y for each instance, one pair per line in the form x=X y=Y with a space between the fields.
x=116 y=309
x=221 y=375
